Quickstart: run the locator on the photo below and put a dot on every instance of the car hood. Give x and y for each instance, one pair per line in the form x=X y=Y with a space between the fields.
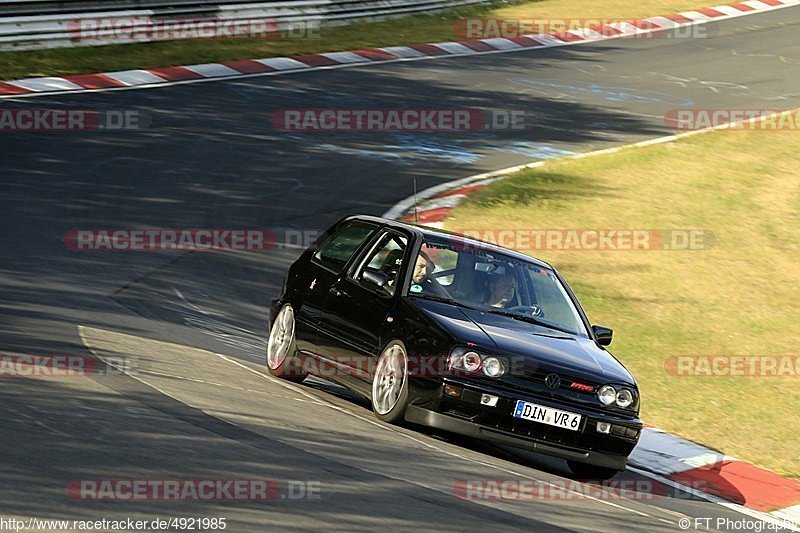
x=541 y=347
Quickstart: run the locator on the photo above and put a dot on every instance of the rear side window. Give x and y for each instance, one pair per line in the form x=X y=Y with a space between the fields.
x=340 y=247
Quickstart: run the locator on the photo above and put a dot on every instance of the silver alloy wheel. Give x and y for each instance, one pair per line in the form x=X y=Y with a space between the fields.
x=389 y=380
x=281 y=337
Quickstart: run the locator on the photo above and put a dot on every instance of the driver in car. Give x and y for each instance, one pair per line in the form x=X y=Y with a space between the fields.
x=421 y=280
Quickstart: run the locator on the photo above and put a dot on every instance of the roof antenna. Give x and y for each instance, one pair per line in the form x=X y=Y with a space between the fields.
x=416 y=217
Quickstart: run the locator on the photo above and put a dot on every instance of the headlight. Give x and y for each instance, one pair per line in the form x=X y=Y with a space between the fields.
x=607 y=394
x=624 y=398
x=493 y=367
x=471 y=361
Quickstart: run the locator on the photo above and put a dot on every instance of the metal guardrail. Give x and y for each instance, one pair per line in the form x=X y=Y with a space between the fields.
x=49 y=7
x=36 y=24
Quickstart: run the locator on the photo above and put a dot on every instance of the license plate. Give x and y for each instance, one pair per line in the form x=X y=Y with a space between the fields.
x=547 y=415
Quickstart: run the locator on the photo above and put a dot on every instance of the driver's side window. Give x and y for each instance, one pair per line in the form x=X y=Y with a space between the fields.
x=384 y=259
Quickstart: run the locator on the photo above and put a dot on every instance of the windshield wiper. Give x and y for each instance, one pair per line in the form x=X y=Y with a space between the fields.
x=526 y=318
x=531 y=319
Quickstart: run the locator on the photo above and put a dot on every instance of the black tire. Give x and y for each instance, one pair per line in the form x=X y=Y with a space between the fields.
x=390 y=405
x=282 y=361
x=591 y=472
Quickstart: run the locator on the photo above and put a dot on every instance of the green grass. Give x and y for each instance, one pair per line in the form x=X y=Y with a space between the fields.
x=739 y=297
x=410 y=30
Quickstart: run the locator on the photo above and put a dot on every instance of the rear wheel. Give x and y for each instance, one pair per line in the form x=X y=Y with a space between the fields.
x=390 y=383
x=584 y=471
x=282 y=349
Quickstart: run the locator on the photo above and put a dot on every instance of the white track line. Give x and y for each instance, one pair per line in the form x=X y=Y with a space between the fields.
x=222 y=385
x=39 y=423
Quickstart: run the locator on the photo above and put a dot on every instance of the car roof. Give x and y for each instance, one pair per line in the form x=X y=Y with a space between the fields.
x=427 y=231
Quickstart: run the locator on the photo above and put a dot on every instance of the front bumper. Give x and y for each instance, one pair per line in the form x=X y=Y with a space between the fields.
x=467 y=416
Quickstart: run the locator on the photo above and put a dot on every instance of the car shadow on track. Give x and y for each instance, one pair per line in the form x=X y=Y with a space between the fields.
x=636 y=487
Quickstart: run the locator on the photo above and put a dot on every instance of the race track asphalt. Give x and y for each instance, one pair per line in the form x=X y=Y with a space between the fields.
x=200 y=405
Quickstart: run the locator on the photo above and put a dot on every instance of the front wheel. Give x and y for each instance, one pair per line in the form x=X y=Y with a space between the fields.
x=591 y=472
x=390 y=383
x=281 y=348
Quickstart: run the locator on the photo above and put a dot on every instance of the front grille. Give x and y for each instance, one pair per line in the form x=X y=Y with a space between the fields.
x=530 y=389
x=539 y=375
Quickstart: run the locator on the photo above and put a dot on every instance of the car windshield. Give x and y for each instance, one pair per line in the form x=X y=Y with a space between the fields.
x=491 y=281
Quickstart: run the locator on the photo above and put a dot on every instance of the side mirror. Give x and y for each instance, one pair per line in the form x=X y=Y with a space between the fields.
x=375 y=279
x=603 y=335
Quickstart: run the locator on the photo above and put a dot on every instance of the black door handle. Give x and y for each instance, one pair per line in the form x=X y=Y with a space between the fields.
x=335 y=291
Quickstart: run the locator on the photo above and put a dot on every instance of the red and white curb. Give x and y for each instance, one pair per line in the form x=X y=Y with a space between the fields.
x=154 y=77
x=713 y=473
x=701 y=471
x=432 y=206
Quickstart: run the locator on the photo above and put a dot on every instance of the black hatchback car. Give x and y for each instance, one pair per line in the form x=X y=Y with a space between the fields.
x=459 y=334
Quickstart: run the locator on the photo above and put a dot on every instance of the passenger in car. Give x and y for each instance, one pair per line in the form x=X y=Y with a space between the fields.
x=502 y=289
